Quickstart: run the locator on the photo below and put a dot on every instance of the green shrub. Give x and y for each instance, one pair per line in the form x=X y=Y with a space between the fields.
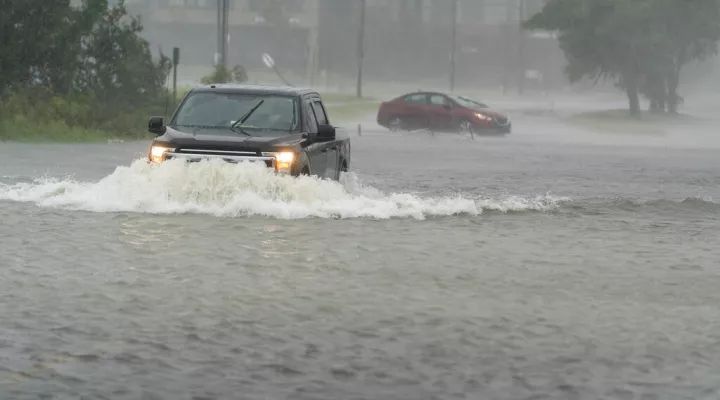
x=87 y=74
x=35 y=114
x=20 y=128
x=221 y=74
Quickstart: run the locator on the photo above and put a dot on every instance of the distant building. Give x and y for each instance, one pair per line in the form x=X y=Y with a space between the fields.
x=242 y=12
x=411 y=40
x=405 y=39
x=282 y=28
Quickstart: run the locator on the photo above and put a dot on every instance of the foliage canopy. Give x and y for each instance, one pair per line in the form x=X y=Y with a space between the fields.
x=89 y=58
x=640 y=44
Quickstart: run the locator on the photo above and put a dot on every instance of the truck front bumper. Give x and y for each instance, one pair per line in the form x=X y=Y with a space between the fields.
x=269 y=161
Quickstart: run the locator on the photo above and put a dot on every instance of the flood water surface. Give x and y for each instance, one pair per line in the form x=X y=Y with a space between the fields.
x=535 y=266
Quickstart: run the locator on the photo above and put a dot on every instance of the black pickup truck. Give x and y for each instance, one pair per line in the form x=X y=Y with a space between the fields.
x=286 y=128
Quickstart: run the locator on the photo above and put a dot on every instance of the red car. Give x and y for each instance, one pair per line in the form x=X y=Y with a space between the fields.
x=441 y=112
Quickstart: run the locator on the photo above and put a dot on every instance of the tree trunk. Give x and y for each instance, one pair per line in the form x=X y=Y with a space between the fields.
x=631 y=82
x=661 y=91
x=654 y=89
x=673 y=81
x=654 y=106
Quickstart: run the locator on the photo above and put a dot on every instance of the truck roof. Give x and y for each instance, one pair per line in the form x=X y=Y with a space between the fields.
x=254 y=89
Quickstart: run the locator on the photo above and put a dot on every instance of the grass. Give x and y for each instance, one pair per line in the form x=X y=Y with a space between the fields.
x=350 y=111
x=334 y=97
x=343 y=107
x=20 y=128
x=620 y=122
x=340 y=106
x=35 y=115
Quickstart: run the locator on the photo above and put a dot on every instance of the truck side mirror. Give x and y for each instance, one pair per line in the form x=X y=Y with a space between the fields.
x=156 y=125
x=325 y=133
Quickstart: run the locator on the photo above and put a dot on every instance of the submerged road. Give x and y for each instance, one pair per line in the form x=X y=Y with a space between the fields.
x=550 y=264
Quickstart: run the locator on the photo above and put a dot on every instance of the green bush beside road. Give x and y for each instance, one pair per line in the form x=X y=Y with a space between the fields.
x=34 y=116
x=83 y=74
x=37 y=116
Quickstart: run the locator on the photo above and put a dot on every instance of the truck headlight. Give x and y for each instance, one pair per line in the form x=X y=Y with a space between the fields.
x=157 y=153
x=285 y=157
x=283 y=160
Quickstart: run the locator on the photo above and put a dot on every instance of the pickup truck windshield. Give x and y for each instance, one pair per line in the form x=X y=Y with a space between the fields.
x=224 y=110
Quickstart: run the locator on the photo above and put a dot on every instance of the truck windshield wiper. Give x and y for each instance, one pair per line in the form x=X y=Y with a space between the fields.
x=240 y=130
x=247 y=114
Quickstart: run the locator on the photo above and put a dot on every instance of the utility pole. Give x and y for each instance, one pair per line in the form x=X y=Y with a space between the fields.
x=521 y=46
x=361 y=48
x=453 y=47
x=312 y=44
x=222 y=39
x=176 y=61
x=226 y=32
x=218 y=44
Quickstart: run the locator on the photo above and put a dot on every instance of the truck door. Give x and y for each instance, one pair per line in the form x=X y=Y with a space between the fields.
x=330 y=148
x=318 y=165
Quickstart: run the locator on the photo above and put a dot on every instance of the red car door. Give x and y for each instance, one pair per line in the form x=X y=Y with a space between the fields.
x=439 y=112
x=413 y=111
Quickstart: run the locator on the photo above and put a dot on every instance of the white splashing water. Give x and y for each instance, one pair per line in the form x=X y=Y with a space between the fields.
x=221 y=189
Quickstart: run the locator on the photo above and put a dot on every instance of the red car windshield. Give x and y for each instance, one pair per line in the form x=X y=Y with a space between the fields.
x=467 y=102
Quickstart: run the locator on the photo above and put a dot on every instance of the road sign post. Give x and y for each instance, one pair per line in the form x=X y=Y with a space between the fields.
x=361 y=48
x=176 y=61
x=270 y=63
x=453 y=45
x=221 y=55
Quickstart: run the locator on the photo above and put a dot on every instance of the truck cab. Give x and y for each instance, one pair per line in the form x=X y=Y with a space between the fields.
x=286 y=128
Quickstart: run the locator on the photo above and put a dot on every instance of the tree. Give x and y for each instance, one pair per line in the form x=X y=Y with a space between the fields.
x=91 y=49
x=36 y=36
x=691 y=30
x=640 y=44
x=76 y=65
x=116 y=62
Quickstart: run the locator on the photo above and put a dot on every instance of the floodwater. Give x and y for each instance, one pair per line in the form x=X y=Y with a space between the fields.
x=550 y=264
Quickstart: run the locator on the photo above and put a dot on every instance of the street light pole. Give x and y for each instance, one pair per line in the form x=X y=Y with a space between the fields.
x=453 y=47
x=521 y=46
x=222 y=39
x=361 y=48
x=218 y=44
x=226 y=31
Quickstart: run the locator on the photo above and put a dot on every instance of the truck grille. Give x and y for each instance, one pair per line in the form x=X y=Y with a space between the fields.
x=216 y=151
x=231 y=156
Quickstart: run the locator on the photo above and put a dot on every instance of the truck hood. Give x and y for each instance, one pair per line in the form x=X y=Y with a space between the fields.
x=208 y=138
